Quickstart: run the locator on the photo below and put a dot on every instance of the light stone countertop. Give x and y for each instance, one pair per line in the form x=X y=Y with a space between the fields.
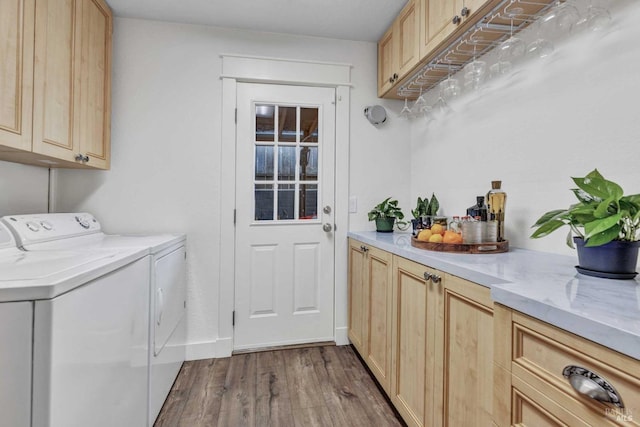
x=543 y=285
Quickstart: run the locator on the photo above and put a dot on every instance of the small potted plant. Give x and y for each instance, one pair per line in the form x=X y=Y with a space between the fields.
x=425 y=210
x=604 y=225
x=385 y=214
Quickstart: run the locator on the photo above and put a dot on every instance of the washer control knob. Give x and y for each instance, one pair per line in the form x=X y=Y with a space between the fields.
x=84 y=222
x=46 y=225
x=33 y=226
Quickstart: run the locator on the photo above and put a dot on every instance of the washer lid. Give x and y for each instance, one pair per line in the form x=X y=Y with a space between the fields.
x=21 y=266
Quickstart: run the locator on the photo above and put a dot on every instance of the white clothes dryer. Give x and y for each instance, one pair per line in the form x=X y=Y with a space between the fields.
x=167 y=287
x=76 y=332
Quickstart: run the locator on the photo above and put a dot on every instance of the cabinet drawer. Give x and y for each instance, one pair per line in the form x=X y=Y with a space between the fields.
x=540 y=353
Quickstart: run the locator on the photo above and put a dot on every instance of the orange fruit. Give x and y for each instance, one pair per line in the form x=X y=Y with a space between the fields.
x=435 y=238
x=424 y=235
x=437 y=229
x=451 y=237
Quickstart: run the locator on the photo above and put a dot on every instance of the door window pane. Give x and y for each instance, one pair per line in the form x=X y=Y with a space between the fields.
x=265 y=123
x=264 y=202
x=287 y=124
x=286 y=201
x=264 y=163
x=309 y=164
x=309 y=124
x=287 y=163
x=308 y=201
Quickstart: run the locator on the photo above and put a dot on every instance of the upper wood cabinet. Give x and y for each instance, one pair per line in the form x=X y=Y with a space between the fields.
x=399 y=49
x=16 y=71
x=419 y=32
x=69 y=92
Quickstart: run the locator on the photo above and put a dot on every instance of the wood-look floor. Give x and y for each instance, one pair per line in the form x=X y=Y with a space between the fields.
x=314 y=386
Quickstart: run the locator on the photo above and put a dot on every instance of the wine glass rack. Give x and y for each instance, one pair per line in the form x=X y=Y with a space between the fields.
x=494 y=28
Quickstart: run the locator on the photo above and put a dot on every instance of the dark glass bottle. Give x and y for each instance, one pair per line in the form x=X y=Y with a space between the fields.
x=479 y=209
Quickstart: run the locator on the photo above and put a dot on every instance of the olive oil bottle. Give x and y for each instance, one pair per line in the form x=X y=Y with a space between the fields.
x=497 y=199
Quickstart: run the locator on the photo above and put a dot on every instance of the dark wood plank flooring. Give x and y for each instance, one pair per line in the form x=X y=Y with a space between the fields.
x=315 y=386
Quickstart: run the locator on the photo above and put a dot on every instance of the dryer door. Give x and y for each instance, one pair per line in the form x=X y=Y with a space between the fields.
x=169 y=295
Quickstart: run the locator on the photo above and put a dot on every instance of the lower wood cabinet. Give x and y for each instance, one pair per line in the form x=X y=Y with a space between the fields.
x=434 y=355
x=530 y=358
x=370 y=278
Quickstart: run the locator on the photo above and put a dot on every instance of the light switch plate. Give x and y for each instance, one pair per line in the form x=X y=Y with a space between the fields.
x=353 y=204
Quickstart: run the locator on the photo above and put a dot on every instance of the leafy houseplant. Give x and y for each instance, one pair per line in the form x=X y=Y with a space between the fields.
x=385 y=215
x=604 y=223
x=425 y=209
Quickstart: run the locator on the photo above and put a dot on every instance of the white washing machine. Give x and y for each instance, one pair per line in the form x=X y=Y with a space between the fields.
x=167 y=287
x=73 y=336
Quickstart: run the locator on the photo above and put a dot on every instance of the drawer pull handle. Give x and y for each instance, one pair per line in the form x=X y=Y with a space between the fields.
x=435 y=278
x=592 y=385
x=427 y=276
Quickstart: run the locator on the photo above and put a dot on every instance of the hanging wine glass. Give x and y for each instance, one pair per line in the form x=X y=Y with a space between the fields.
x=406 y=112
x=596 y=17
x=475 y=70
x=561 y=18
x=540 y=47
x=449 y=87
x=421 y=107
x=514 y=47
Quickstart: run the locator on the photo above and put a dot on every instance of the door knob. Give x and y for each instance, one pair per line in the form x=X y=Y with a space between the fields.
x=327 y=227
x=327 y=209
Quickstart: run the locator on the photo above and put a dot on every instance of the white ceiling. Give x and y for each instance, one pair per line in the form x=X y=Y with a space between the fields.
x=364 y=20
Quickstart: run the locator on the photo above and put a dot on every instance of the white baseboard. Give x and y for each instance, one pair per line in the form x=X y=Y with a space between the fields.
x=220 y=347
x=342 y=337
x=223 y=347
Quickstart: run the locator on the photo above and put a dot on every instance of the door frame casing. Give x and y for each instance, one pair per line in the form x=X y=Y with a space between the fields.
x=251 y=69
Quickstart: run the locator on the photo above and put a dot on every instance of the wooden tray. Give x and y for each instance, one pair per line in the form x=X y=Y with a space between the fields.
x=463 y=248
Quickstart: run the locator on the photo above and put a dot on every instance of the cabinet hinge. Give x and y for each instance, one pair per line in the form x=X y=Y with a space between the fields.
x=233 y=318
x=236 y=116
x=234 y=217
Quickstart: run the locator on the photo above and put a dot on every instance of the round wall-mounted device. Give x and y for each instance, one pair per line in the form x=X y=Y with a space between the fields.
x=376 y=114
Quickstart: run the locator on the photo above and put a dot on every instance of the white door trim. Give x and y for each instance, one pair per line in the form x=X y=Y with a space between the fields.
x=251 y=69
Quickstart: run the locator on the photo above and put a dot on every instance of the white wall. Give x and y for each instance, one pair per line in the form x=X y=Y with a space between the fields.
x=166 y=143
x=23 y=189
x=558 y=117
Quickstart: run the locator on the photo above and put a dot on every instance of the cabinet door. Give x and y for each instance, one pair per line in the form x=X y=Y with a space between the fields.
x=71 y=80
x=379 y=310
x=357 y=296
x=464 y=354
x=16 y=71
x=93 y=126
x=413 y=339
x=437 y=23
x=387 y=66
x=408 y=35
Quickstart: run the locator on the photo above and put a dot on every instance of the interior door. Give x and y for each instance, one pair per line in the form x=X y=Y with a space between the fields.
x=284 y=272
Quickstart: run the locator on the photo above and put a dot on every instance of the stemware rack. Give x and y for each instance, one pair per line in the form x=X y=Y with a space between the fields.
x=494 y=28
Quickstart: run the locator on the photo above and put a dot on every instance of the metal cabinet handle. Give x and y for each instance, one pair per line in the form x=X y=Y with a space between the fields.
x=435 y=278
x=592 y=385
x=79 y=157
x=465 y=11
x=456 y=20
x=427 y=276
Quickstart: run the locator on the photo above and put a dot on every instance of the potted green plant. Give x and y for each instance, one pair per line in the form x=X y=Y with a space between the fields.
x=604 y=225
x=424 y=211
x=385 y=214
